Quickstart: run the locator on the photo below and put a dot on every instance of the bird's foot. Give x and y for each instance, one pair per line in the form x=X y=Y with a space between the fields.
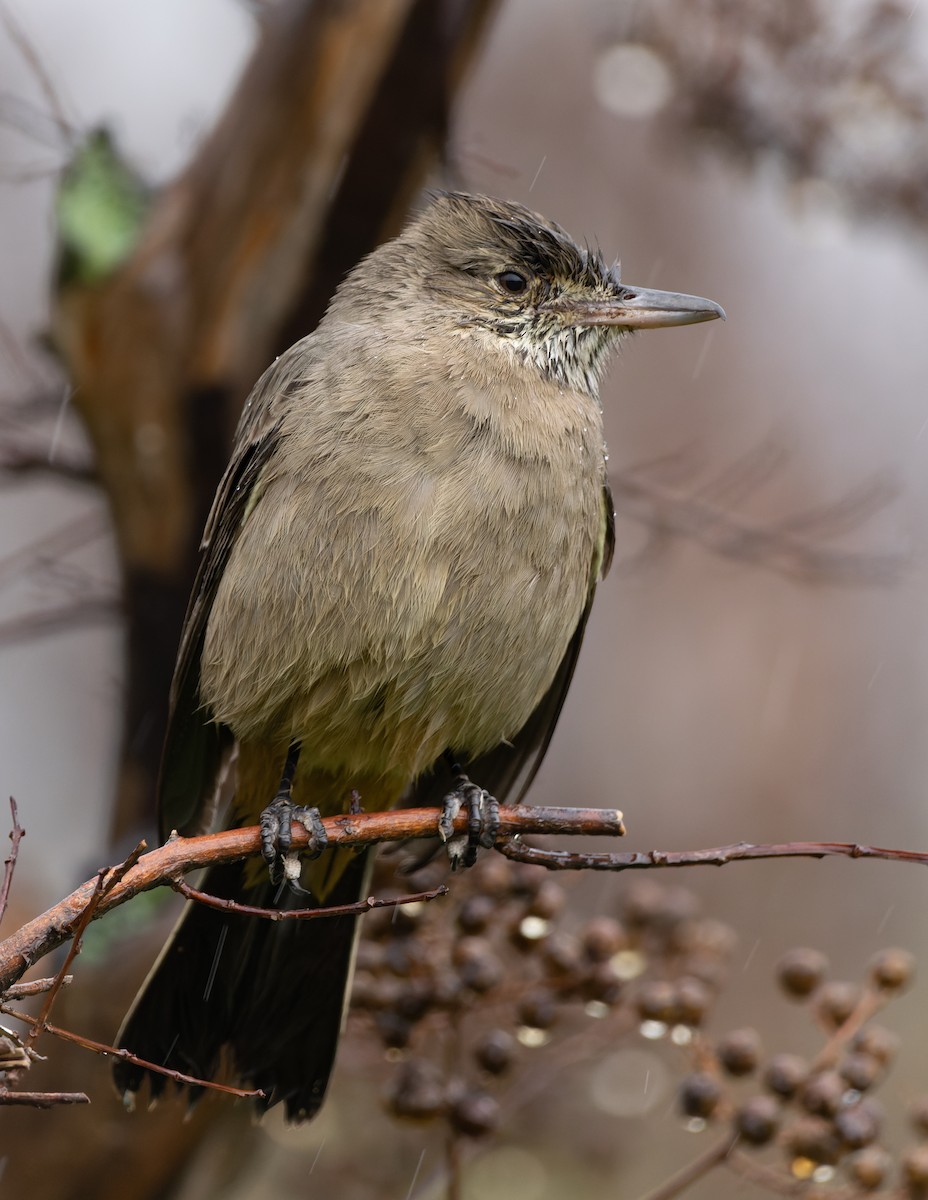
x=482 y=822
x=276 y=839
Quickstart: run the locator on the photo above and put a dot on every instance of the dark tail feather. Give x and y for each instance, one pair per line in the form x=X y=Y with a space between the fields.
x=272 y=991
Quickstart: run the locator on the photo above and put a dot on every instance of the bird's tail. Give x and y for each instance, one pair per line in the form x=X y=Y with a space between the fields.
x=273 y=992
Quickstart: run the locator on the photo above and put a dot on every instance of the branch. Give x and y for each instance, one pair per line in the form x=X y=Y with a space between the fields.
x=167 y=864
x=42 y=1099
x=719 y=856
x=65 y=618
x=105 y=882
x=694 y=1171
x=17 y=833
x=305 y=914
x=115 y=1052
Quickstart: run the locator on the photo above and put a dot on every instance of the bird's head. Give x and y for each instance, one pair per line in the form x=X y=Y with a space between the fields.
x=503 y=278
x=497 y=268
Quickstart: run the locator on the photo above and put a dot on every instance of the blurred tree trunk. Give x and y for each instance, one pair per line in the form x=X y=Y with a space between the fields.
x=337 y=119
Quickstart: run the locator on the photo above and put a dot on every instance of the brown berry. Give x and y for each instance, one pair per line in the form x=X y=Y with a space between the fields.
x=495 y=1051
x=860 y=1071
x=364 y=990
x=757 y=1120
x=447 y=989
x=476 y=913
x=918 y=1114
x=478 y=966
x=740 y=1051
x=494 y=876
x=823 y=1094
x=397 y=957
x=602 y=938
x=657 y=1001
x=707 y=968
x=801 y=971
x=700 y=1094
x=415 y=999
x=692 y=1000
x=405 y=919
x=915 y=1170
x=395 y=1030
x=370 y=955
x=538 y=1010
x=474 y=1114
x=705 y=937
x=526 y=879
x=383 y=991
x=869 y=1167
x=416 y=1091
x=834 y=1002
x=481 y=974
x=878 y=1042
x=548 y=900
x=642 y=903
x=813 y=1138
x=602 y=983
x=858 y=1124
x=561 y=954
x=892 y=970
x=785 y=1074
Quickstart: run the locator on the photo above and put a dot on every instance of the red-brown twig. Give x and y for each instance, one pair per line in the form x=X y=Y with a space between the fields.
x=42 y=1099
x=114 y=1052
x=164 y=865
x=304 y=914
x=34 y=987
x=167 y=864
x=107 y=879
x=718 y=856
x=17 y=833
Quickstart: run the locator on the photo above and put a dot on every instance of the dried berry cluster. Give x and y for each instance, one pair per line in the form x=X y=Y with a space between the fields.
x=818 y=1113
x=462 y=991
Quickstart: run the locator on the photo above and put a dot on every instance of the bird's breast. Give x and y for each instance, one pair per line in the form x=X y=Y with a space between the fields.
x=412 y=586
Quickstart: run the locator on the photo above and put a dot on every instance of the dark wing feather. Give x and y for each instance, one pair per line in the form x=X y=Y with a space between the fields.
x=507 y=771
x=194 y=746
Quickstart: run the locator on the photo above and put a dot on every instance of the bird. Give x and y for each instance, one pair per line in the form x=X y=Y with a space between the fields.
x=394 y=582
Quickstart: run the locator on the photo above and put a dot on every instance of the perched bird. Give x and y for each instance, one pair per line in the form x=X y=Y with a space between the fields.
x=396 y=576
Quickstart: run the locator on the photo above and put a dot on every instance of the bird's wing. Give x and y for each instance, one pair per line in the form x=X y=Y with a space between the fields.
x=507 y=771
x=194 y=746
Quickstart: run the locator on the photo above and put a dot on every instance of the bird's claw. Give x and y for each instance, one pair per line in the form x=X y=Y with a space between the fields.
x=482 y=822
x=276 y=839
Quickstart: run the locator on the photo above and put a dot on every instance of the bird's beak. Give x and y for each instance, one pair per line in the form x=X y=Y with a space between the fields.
x=640 y=308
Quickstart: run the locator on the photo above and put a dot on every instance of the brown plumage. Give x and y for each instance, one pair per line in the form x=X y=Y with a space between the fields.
x=399 y=563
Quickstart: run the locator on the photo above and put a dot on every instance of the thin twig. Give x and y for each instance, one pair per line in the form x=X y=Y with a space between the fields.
x=34 y=987
x=453 y=1164
x=93 y=610
x=304 y=914
x=718 y=856
x=26 y=48
x=116 y=1052
x=19 y=461
x=709 y=1159
x=870 y=1003
x=773 y=1180
x=42 y=1099
x=17 y=833
x=107 y=879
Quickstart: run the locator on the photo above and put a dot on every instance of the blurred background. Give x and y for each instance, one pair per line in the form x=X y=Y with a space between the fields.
x=182 y=186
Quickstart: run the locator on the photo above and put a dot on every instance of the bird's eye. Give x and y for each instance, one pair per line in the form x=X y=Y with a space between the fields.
x=512 y=282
